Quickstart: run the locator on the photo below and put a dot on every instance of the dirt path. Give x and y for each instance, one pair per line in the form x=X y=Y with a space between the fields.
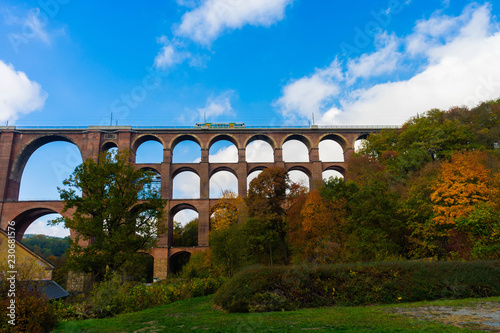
x=484 y=316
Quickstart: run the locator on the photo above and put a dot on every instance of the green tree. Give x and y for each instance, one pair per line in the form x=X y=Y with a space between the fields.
x=267 y=200
x=186 y=235
x=116 y=218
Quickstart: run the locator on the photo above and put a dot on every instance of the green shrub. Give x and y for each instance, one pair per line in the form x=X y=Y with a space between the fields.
x=288 y=288
x=33 y=312
x=114 y=296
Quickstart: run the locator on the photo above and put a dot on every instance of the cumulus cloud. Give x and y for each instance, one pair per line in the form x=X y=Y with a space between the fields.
x=18 y=94
x=217 y=106
x=208 y=19
x=458 y=59
x=310 y=94
x=205 y=23
x=222 y=181
x=40 y=226
x=227 y=154
x=186 y=185
x=169 y=55
x=259 y=151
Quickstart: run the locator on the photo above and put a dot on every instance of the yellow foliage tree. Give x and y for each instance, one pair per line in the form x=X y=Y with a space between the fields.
x=461 y=184
x=229 y=210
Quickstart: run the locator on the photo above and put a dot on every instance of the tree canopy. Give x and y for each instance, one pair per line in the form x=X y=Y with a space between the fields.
x=118 y=215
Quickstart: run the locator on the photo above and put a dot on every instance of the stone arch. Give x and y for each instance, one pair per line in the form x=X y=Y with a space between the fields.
x=136 y=145
x=179 y=207
x=27 y=217
x=107 y=146
x=24 y=155
x=213 y=182
x=259 y=169
x=156 y=178
x=184 y=137
x=304 y=170
x=335 y=137
x=265 y=152
x=182 y=193
x=262 y=137
x=299 y=137
x=178 y=260
x=336 y=168
x=143 y=138
x=220 y=137
x=223 y=168
x=296 y=153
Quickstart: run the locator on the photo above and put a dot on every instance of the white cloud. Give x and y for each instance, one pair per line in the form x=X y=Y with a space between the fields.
x=227 y=154
x=308 y=95
x=259 y=151
x=217 y=106
x=169 y=55
x=186 y=185
x=206 y=22
x=222 y=181
x=40 y=227
x=18 y=95
x=458 y=65
x=383 y=61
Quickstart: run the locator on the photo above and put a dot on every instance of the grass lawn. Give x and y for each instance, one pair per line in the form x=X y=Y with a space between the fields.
x=197 y=315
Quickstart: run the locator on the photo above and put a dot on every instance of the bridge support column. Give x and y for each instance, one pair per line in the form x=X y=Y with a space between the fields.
x=6 y=142
x=203 y=223
x=278 y=157
x=316 y=170
x=160 y=269
x=204 y=175
x=242 y=173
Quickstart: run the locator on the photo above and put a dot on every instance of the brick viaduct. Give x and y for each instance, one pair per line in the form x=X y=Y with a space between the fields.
x=18 y=144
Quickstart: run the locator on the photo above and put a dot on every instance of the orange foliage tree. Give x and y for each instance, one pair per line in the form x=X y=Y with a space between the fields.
x=230 y=210
x=461 y=184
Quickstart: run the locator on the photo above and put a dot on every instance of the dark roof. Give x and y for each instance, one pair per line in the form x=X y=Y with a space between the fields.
x=49 y=288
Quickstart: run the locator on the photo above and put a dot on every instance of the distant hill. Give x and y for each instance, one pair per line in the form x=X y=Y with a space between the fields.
x=46 y=245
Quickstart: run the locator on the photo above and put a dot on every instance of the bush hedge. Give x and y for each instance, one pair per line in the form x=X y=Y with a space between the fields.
x=260 y=288
x=112 y=297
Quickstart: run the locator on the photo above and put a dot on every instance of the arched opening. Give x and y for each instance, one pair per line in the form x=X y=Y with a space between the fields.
x=49 y=242
x=110 y=147
x=259 y=149
x=330 y=151
x=330 y=173
x=40 y=226
x=221 y=181
x=299 y=177
x=295 y=150
x=185 y=228
x=186 y=151
x=150 y=151
x=155 y=185
x=223 y=151
x=46 y=169
x=186 y=185
x=178 y=261
x=360 y=143
x=251 y=176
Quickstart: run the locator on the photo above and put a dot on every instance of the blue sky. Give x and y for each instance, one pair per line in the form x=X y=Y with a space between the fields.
x=261 y=62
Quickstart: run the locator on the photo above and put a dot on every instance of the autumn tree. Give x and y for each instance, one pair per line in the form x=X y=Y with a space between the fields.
x=461 y=184
x=230 y=210
x=267 y=200
x=118 y=214
x=315 y=228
